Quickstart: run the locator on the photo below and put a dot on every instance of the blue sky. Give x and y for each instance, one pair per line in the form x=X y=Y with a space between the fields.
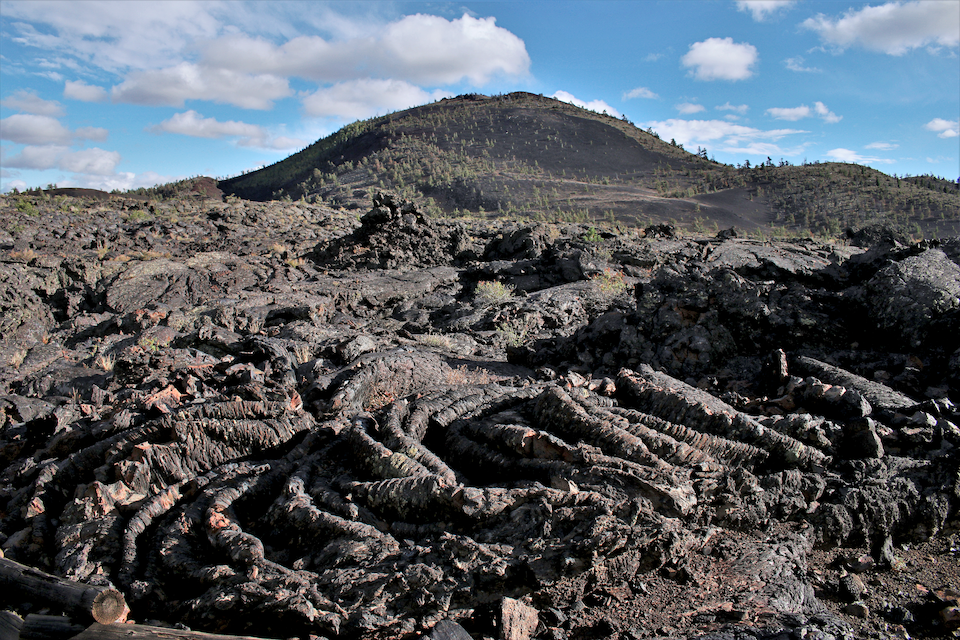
x=118 y=95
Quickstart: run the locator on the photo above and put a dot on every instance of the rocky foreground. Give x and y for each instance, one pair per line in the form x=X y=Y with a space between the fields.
x=280 y=420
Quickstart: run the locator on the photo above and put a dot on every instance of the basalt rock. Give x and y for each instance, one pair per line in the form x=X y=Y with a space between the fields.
x=267 y=419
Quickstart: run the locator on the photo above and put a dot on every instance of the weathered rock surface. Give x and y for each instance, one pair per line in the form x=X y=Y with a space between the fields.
x=277 y=420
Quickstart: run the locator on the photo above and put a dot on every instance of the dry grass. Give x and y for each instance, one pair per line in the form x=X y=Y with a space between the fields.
x=464 y=375
x=24 y=255
x=146 y=256
x=492 y=292
x=302 y=352
x=435 y=340
x=105 y=362
x=17 y=358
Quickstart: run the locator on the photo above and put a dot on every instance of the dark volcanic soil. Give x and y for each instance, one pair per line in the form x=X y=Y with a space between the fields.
x=282 y=420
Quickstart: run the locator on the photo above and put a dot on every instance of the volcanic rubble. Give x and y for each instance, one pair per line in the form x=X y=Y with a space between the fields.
x=280 y=420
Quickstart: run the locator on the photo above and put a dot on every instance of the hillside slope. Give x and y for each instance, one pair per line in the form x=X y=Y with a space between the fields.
x=523 y=155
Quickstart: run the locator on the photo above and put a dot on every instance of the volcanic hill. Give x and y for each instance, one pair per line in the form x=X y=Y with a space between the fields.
x=527 y=156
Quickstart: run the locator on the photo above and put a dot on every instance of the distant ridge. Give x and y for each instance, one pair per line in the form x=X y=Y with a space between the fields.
x=522 y=155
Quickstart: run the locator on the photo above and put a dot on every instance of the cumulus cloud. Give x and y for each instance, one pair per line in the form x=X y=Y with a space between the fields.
x=252 y=72
x=446 y=51
x=191 y=123
x=80 y=90
x=640 y=92
x=945 y=128
x=594 y=105
x=893 y=28
x=173 y=86
x=687 y=108
x=803 y=111
x=30 y=102
x=763 y=9
x=847 y=155
x=365 y=98
x=237 y=53
x=93 y=161
x=720 y=59
x=28 y=128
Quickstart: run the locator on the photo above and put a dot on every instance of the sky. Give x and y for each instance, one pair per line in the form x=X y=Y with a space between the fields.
x=125 y=94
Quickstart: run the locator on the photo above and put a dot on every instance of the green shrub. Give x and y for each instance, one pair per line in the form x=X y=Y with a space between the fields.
x=593 y=235
x=27 y=208
x=610 y=283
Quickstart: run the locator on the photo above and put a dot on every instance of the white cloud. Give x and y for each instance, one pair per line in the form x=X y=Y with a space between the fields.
x=449 y=51
x=720 y=59
x=640 y=92
x=116 y=36
x=893 y=28
x=446 y=51
x=796 y=64
x=946 y=128
x=803 y=111
x=187 y=81
x=93 y=161
x=244 y=54
x=365 y=98
x=36 y=157
x=687 y=108
x=762 y=149
x=26 y=128
x=826 y=114
x=123 y=180
x=191 y=123
x=19 y=185
x=652 y=57
x=731 y=138
x=882 y=146
x=80 y=90
x=790 y=113
x=846 y=155
x=762 y=9
x=30 y=102
x=594 y=105
x=736 y=108
x=96 y=134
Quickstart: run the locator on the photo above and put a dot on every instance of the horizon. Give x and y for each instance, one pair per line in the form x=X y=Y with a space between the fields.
x=116 y=96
